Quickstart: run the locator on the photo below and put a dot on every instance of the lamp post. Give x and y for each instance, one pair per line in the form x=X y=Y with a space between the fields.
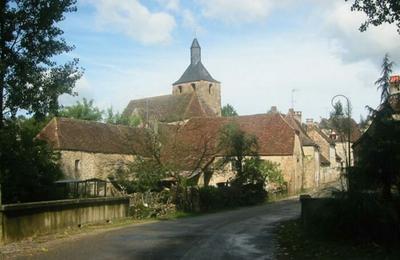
x=348 y=130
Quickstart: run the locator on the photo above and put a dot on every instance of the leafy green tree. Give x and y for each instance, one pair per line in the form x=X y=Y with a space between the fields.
x=240 y=149
x=121 y=119
x=383 y=81
x=28 y=166
x=30 y=78
x=378 y=12
x=84 y=110
x=236 y=145
x=228 y=110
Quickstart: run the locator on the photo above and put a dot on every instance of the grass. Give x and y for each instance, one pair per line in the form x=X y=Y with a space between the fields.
x=294 y=243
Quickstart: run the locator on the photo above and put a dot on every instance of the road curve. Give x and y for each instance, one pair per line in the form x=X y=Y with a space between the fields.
x=245 y=233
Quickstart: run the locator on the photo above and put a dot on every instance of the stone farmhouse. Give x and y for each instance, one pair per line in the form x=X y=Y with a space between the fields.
x=189 y=122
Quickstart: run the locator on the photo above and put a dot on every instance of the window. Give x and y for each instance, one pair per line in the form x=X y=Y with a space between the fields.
x=209 y=89
x=180 y=89
x=77 y=165
x=194 y=86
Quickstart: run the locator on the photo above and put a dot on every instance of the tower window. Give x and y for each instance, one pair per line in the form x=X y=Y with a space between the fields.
x=180 y=89
x=194 y=86
x=209 y=88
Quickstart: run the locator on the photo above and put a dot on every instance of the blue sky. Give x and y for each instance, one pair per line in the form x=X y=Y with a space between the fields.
x=260 y=50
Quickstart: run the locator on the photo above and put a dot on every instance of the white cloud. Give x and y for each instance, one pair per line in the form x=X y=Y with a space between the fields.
x=238 y=11
x=135 y=20
x=84 y=89
x=173 y=5
x=189 y=21
x=271 y=67
x=343 y=24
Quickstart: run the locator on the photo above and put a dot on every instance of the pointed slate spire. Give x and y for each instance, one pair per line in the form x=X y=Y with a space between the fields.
x=195 y=52
x=196 y=70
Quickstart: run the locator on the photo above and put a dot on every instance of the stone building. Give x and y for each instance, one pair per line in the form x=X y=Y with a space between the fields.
x=90 y=149
x=277 y=140
x=330 y=161
x=312 y=159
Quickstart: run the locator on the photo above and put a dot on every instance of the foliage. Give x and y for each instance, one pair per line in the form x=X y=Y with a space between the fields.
x=383 y=81
x=379 y=151
x=213 y=198
x=142 y=175
x=363 y=217
x=121 y=119
x=84 y=110
x=378 y=12
x=30 y=79
x=294 y=243
x=228 y=111
x=29 y=167
x=240 y=150
x=236 y=145
x=364 y=122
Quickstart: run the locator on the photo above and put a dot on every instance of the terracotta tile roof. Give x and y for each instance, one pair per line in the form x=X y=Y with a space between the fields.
x=321 y=133
x=88 y=136
x=168 y=108
x=275 y=136
x=304 y=138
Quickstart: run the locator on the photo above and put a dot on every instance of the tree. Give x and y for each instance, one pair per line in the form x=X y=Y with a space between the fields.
x=122 y=119
x=378 y=12
x=28 y=166
x=236 y=145
x=383 y=81
x=228 y=111
x=84 y=110
x=30 y=79
x=379 y=152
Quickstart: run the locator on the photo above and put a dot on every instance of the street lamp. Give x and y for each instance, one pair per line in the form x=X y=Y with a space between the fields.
x=348 y=130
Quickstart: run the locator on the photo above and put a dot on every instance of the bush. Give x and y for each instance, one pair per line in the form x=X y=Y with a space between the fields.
x=361 y=216
x=213 y=198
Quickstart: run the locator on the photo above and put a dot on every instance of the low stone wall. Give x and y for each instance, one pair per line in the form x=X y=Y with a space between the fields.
x=19 y=221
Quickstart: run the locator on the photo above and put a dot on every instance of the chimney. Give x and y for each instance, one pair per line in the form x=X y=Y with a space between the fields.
x=310 y=122
x=297 y=116
x=273 y=110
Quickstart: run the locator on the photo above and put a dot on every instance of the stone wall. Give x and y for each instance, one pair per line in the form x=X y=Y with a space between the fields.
x=208 y=92
x=85 y=165
x=311 y=167
x=23 y=220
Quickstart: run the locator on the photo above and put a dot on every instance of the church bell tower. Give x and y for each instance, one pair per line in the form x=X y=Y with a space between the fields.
x=197 y=79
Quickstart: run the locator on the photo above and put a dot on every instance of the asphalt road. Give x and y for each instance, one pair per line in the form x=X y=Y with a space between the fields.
x=239 y=234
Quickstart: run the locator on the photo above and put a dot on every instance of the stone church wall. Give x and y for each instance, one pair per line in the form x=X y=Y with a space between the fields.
x=209 y=92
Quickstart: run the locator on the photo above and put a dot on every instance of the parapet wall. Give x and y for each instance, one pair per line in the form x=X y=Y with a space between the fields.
x=23 y=220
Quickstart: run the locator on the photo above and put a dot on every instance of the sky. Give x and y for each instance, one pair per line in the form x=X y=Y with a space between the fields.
x=284 y=53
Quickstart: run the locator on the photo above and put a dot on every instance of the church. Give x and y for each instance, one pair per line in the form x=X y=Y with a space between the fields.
x=191 y=117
